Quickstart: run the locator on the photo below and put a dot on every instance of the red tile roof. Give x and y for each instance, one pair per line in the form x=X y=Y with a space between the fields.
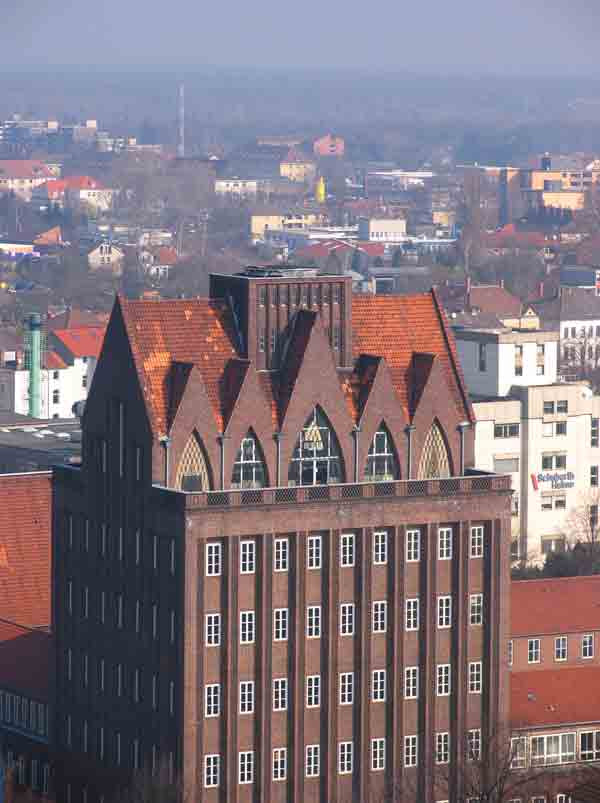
x=26 y=661
x=165 y=255
x=25 y=555
x=556 y=605
x=53 y=361
x=57 y=187
x=83 y=342
x=493 y=299
x=555 y=697
x=23 y=169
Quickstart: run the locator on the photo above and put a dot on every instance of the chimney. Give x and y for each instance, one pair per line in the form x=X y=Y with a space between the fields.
x=34 y=325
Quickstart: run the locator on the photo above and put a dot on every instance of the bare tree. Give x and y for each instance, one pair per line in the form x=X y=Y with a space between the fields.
x=581 y=524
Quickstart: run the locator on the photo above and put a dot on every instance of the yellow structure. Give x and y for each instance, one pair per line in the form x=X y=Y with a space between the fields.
x=298 y=170
x=321 y=191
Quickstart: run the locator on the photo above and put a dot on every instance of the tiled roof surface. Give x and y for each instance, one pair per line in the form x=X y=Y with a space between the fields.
x=59 y=186
x=493 y=299
x=555 y=697
x=53 y=361
x=555 y=605
x=23 y=168
x=26 y=661
x=25 y=524
x=85 y=341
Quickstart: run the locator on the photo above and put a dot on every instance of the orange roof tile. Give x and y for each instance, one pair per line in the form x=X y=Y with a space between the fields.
x=25 y=554
x=26 y=661
x=53 y=361
x=555 y=605
x=551 y=697
x=83 y=342
x=23 y=168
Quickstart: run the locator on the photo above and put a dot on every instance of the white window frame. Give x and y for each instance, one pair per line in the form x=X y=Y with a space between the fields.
x=475 y=677
x=279 y=764
x=212 y=622
x=378 y=685
x=281 y=554
x=314 y=547
x=212 y=700
x=213 y=556
x=281 y=624
x=379 y=617
x=444 y=612
x=442 y=747
x=476 y=541
x=212 y=770
x=587 y=646
x=445 y=535
x=411 y=682
x=313 y=691
x=280 y=694
x=476 y=610
x=474 y=744
x=313 y=621
x=534 y=651
x=561 y=648
x=347 y=616
x=247 y=557
x=246 y=766
x=413 y=546
x=411 y=751
x=246 y=702
x=380 y=547
x=378 y=754
x=411 y=614
x=313 y=760
x=443 y=684
x=345 y=758
x=346 y=688
x=347 y=550
x=247 y=623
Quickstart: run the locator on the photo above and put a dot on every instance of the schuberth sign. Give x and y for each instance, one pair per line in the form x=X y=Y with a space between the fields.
x=558 y=481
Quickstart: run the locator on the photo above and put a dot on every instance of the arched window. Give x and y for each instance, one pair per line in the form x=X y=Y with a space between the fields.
x=192 y=472
x=435 y=461
x=381 y=461
x=249 y=466
x=316 y=459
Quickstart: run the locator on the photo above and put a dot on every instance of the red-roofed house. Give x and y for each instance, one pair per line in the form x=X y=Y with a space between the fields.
x=76 y=192
x=160 y=261
x=22 y=176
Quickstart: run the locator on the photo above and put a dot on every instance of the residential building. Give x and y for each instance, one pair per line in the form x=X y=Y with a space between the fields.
x=391 y=230
x=106 y=257
x=279 y=540
x=300 y=219
x=22 y=176
x=81 y=193
x=329 y=145
x=296 y=166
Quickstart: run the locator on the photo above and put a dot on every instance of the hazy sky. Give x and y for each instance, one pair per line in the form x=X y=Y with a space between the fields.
x=499 y=36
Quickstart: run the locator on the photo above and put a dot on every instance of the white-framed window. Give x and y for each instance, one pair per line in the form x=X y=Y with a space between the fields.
x=313 y=552
x=378 y=685
x=313 y=691
x=380 y=547
x=246 y=766
x=213 y=560
x=411 y=751
x=411 y=607
x=476 y=609
x=247 y=557
x=212 y=770
x=474 y=744
x=280 y=694
x=411 y=682
x=280 y=624
x=378 y=754
x=347 y=549
x=476 y=541
x=475 y=677
x=444 y=611
x=281 y=554
x=212 y=699
x=345 y=758
x=442 y=748
x=560 y=648
x=380 y=616
x=279 y=763
x=413 y=546
x=347 y=619
x=587 y=646
x=510 y=652
x=313 y=621
x=246 y=696
x=554 y=748
x=533 y=651
x=213 y=629
x=445 y=543
x=443 y=680
x=589 y=745
x=346 y=688
x=313 y=760
x=247 y=627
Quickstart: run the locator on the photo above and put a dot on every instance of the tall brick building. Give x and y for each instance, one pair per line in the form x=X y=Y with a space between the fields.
x=273 y=573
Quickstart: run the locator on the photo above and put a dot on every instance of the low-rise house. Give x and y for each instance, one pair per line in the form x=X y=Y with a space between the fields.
x=159 y=262
x=81 y=193
x=296 y=166
x=22 y=176
x=107 y=257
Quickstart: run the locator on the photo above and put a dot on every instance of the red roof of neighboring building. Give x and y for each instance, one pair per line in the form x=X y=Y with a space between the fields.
x=555 y=697
x=493 y=299
x=25 y=555
x=510 y=236
x=57 y=187
x=52 y=236
x=23 y=169
x=558 y=605
x=26 y=661
x=53 y=361
x=165 y=255
x=85 y=341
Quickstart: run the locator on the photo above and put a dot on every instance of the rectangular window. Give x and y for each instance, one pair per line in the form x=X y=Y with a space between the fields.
x=313 y=691
x=246 y=697
x=379 y=617
x=345 y=758
x=313 y=621
x=212 y=770
x=533 y=651
x=411 y=682
x=247 y=557
x=442 y=748
x=378 y=685
x=476 y=609
x=280 y=694
x=411 y=751
x=212 y=700
x=281 y=555
x=475 y=672
x=476 y=542
x=377 y=754
x=589 y=745
x=474 y=745
x=506 y=430
x=560 y=648
x=413 y=546
x=347 y=549
x=594 y=476
x=246 y=766
x=313 y=552
x=482 y=357
x=444 y=611
x=443 y=680
x=347 y=619
x=587 y=646
x=561 y=428
x=412 y=614
x=213 y=559
x=246 y=627
x=562 y=406
x=313 y=760
x=506 y=465
x=595 y=432
x=380 y=547
x=280 y=624
x=555 y=748
x=280 y=763
x=444 y=543
x=346 y=688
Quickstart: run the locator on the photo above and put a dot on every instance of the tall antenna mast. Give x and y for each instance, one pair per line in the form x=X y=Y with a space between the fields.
x=181 y=119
